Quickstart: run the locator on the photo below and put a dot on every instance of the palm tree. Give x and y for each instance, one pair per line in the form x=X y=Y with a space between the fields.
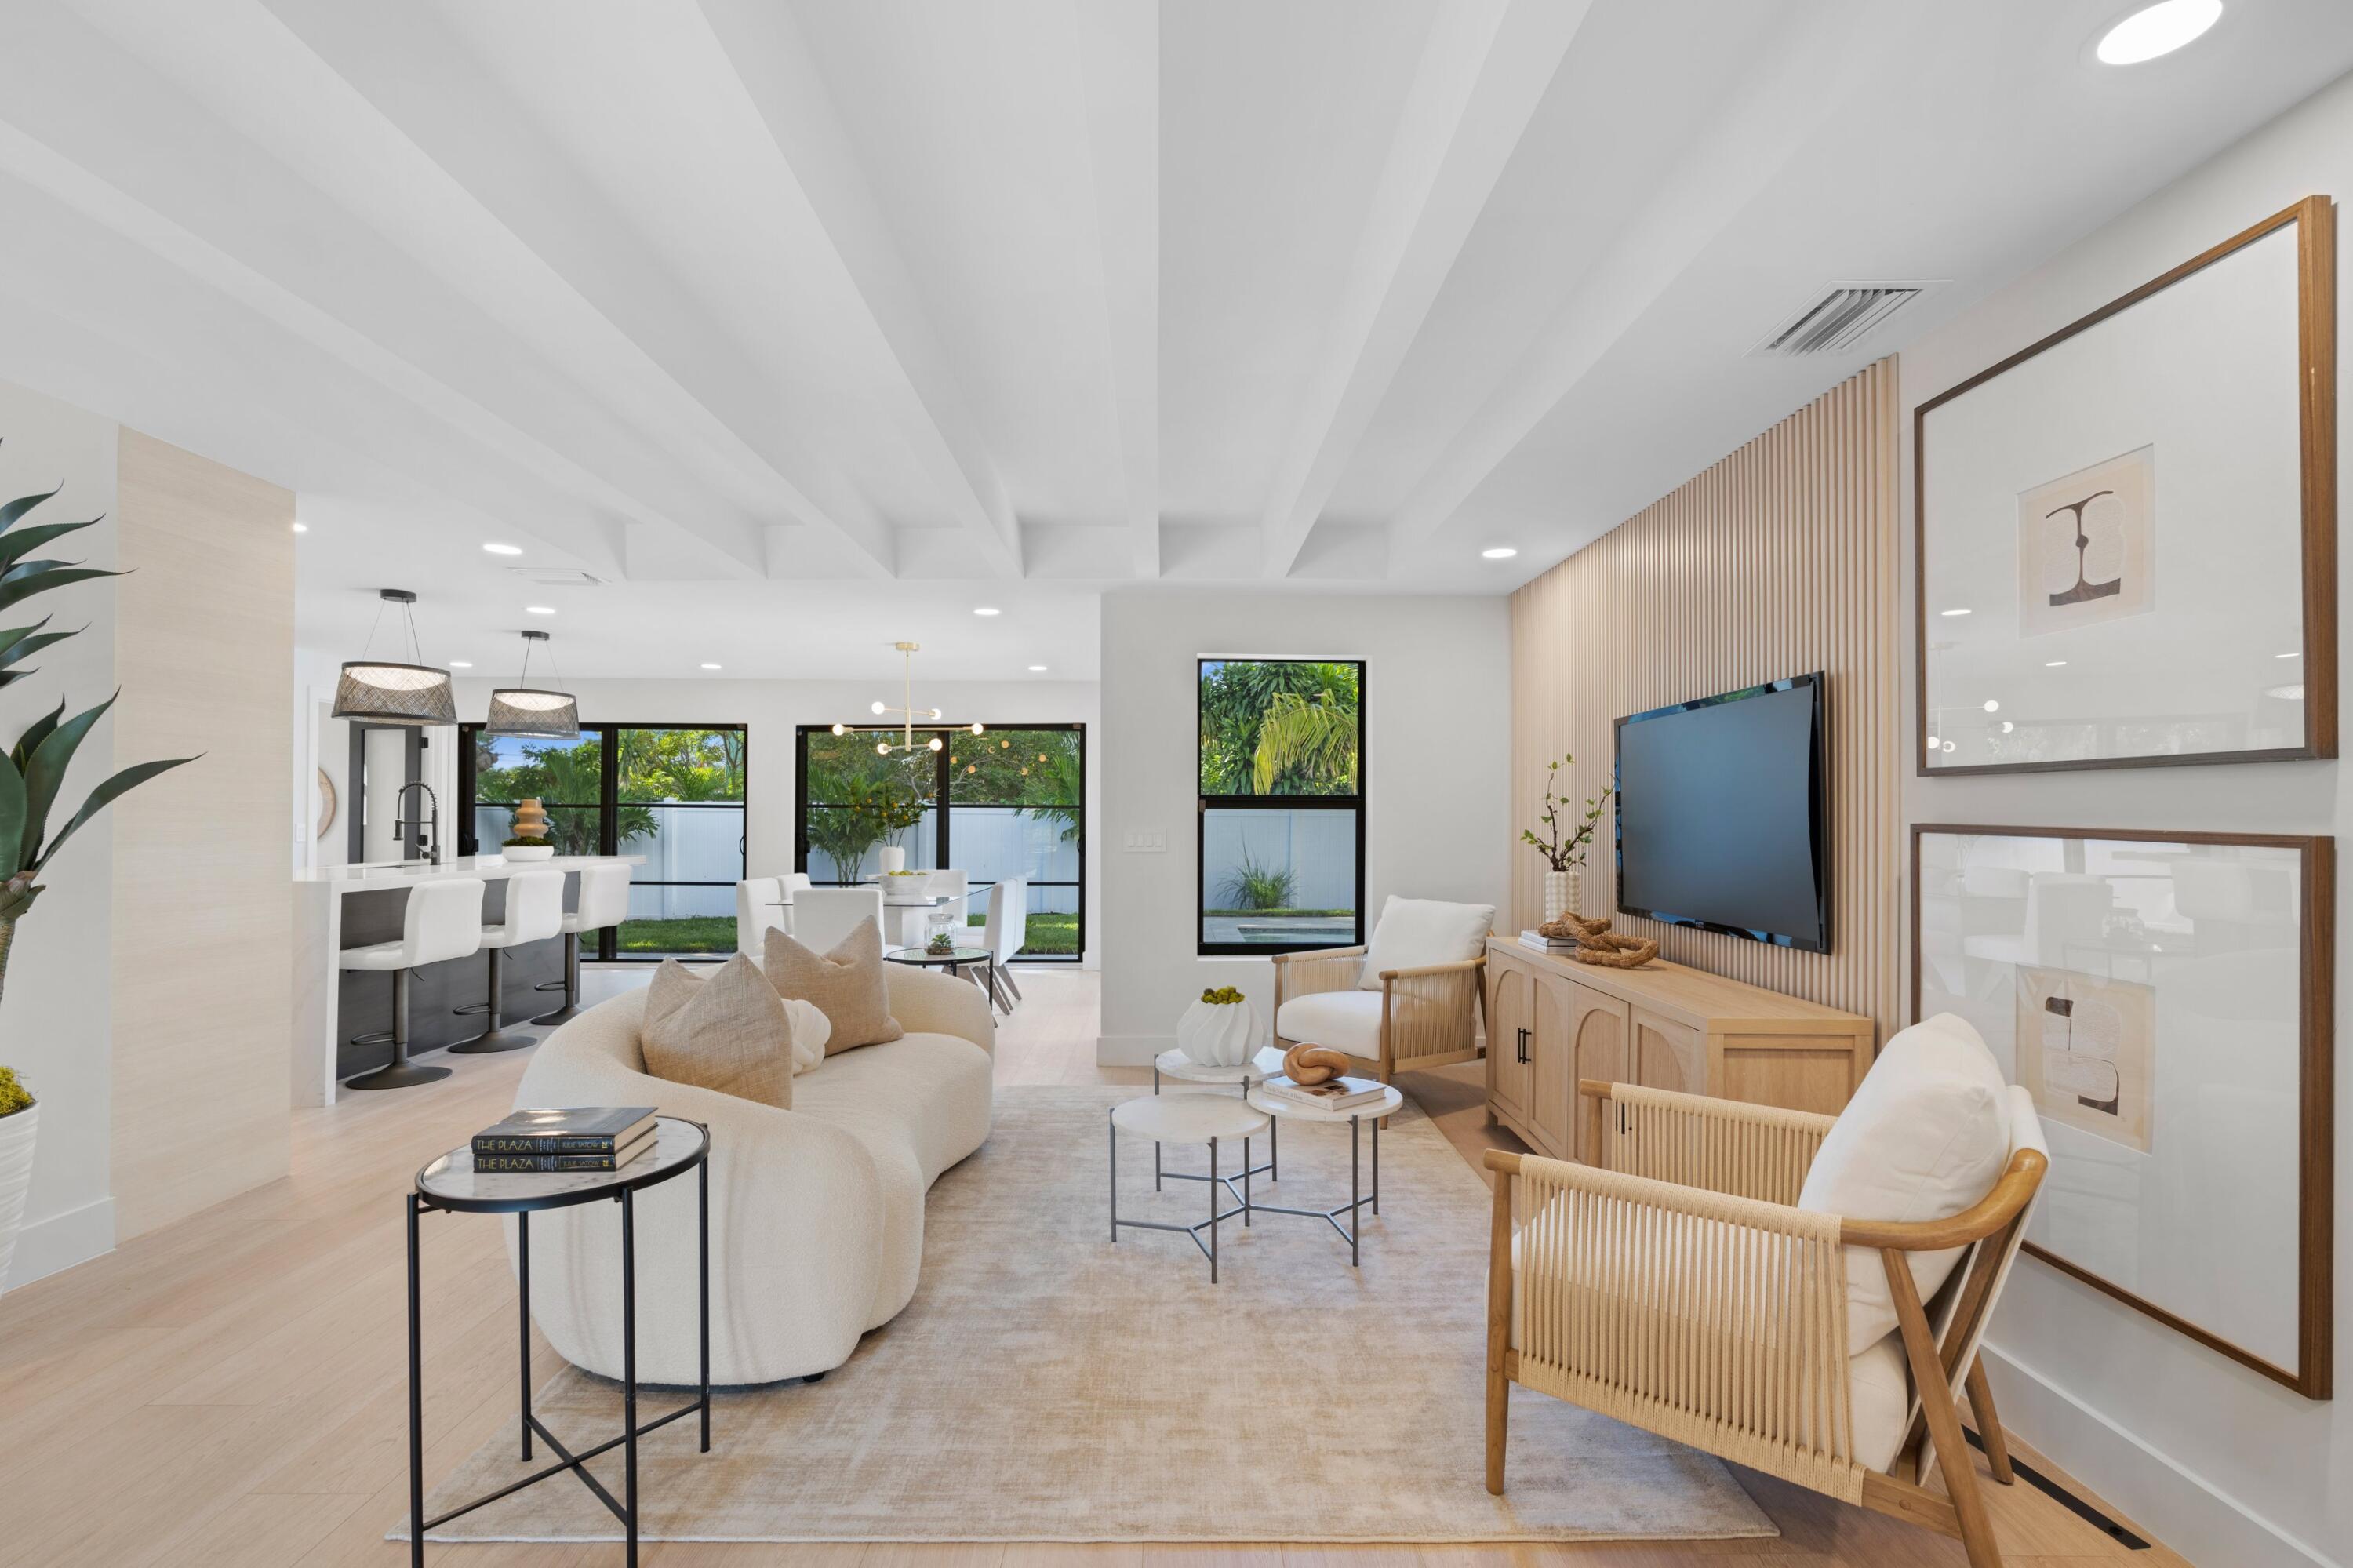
x=1311 y=746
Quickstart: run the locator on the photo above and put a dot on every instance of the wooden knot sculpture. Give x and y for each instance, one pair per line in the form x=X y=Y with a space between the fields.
x=1306 y=1065
x=1597 y=944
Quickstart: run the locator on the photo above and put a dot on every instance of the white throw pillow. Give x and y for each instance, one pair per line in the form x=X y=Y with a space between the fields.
x=1416 y=931
x=1926 y=1136
x=811 y=1030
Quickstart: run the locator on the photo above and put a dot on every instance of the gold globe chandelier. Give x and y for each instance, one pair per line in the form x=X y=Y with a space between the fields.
x=909 y=714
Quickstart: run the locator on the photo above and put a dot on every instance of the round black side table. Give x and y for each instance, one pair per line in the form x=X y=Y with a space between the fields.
x=451 y=1184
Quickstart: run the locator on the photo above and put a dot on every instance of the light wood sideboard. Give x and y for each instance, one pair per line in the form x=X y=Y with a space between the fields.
x=1551 y=1022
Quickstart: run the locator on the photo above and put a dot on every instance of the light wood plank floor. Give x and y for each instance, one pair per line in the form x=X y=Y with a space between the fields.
x=231 y=1390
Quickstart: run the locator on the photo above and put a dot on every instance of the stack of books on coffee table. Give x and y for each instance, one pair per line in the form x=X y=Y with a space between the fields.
x=1332 y=1094
x=587 y=1138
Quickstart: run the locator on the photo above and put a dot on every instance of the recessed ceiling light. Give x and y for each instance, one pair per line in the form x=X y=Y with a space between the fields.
x=2052 y=663
x=986 y=610
x=711 y=666
x=1992 y=706
x=2007 y=726
x=503 y=549
x=1952 y=612
x=1498 y=553
x=2285 y=694
x=2158 y=29
x=2287 y=655
x=302 y=527
x=539 y=610
x=461 y=663
x=1037 y=669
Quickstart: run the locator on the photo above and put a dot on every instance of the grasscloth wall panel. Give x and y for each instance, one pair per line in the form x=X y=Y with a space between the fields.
x=204 y=646
x=1778 y=560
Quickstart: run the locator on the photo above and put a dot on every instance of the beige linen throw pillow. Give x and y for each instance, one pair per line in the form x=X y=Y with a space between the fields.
x=729 y=1033
x=846 y=984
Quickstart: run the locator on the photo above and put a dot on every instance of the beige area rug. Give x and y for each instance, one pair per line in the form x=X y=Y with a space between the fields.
x=1047 y=1385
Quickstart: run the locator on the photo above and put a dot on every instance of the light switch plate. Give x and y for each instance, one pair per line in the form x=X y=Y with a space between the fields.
x=1147 y=840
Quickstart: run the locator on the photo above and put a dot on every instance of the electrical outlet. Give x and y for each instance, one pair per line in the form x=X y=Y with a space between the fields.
x=1147 y=840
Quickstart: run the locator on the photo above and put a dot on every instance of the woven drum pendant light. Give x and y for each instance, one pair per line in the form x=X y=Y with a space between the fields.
x=386 y=692
x=526 y=710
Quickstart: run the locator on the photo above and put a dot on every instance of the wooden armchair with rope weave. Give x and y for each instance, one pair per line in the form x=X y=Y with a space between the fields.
x=1410 y=997
x=1678 y=1287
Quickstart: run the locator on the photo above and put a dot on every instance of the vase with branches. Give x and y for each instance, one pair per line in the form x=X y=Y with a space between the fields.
x=32 y=779
x=1563 y=847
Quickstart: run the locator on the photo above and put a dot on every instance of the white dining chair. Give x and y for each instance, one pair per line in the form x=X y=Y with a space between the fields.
x=822 y=917
x=534 y=912
x=442 y=920
x=955 y=888
x=1004 y=934
x=760 y=903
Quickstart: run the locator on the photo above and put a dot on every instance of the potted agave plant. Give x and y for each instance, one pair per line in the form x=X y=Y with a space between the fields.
x=32 y=775
x=1564 y=848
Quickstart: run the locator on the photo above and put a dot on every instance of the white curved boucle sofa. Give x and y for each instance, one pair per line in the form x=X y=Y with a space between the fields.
x=817 y=1212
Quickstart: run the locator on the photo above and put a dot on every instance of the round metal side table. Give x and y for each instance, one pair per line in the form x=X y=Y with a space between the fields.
x=451 y=1184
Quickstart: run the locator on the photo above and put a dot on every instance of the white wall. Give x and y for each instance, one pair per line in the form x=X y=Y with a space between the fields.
x=772 y=710
x=1436 y=750
x=2227 y=1467
x=56 y=1026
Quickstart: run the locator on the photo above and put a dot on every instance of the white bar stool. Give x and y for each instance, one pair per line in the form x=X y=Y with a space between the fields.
x=1189 y=1118
x=442 y=920
x=603 y=900
x=535 y=913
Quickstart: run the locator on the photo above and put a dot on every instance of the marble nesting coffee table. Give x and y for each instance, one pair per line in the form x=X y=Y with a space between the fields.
x=1375 y=1111
x=1242 y=1079
x=1187 y=1118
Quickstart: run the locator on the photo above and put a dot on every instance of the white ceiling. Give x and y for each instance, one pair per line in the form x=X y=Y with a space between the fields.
x=810 y=326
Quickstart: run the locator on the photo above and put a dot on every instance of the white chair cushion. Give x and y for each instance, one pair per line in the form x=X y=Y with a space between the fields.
x=1416 y=931
x=1925 y=1136
x=1346 y=1021
x=1879 y=1383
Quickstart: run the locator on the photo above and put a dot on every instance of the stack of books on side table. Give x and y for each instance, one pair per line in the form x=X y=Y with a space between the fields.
x=1333 y=1094
x=593 y=1139
x=1543 y=944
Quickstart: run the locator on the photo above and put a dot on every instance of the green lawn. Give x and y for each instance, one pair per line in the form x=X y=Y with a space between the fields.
x=1050 y=934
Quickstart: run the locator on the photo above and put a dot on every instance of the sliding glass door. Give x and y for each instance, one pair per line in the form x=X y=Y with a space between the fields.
x=1006 y=802
x=672 y=793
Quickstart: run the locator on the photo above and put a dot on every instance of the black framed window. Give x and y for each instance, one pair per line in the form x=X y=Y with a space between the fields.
x=1010 y=801
x=672 y=793
x=1282 y=842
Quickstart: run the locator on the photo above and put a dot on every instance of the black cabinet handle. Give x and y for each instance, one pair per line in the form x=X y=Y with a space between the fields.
x=1522 y=1045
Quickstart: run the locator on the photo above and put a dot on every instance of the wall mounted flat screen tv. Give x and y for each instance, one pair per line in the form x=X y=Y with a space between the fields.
x=1721 y=819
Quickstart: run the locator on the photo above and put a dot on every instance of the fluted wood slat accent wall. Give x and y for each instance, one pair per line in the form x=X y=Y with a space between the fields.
x=1778 y=560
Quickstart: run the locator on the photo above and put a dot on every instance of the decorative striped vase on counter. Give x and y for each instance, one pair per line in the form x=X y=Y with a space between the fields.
x=15 y=1175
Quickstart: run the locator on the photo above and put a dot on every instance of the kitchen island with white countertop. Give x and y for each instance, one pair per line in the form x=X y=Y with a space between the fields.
x=340 y=906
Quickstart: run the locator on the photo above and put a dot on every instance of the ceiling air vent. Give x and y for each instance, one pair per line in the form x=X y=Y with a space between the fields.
x=558 y=577
x=1839 y=318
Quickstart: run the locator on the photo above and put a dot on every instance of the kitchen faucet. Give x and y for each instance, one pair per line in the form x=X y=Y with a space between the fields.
x=429 y=832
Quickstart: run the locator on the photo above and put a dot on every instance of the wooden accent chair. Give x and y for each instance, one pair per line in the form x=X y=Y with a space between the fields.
x=1677 y=1287
x=1424 y=1011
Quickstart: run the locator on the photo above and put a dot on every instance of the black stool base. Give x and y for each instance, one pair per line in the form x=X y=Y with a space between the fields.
x=492 y=1043
x=398 y=1075
x=560 y=1014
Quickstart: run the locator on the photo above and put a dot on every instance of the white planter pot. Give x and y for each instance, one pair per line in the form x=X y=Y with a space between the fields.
x=15 y=1175
x=894 y=858
x=527 y=852
x=1562 y=891
x=1217 y=1034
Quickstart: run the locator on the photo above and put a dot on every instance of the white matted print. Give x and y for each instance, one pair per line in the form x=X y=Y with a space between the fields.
x=2148 y=993
x=2113 y=534
x=2086 y=546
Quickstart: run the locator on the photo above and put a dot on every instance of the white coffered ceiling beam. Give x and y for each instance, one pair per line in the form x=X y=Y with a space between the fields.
x=1786 y=100
x=426 y=83
x=777 y=71
x=1119 y=71
x=1483 y=70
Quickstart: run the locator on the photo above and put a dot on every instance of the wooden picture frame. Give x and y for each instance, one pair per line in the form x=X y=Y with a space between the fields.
x=2311 y=1373
x=2313 y=221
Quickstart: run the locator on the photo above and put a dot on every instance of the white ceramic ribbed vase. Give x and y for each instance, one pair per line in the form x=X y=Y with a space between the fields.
x=894 y=858
x=1218 y=1033
x=1561 y=893
x=15 y=1175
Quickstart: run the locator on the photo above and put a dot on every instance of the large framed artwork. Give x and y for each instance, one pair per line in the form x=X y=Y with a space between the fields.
x=2165 y=998
x=2125 y=535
